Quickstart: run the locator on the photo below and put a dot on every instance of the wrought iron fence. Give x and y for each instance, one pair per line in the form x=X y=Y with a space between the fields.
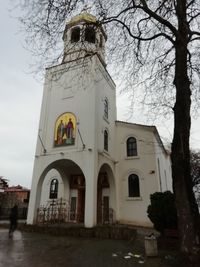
x=59 y=211
x=54 y=212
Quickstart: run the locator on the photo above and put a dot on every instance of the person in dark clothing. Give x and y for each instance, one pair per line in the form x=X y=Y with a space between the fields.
x=13 y=220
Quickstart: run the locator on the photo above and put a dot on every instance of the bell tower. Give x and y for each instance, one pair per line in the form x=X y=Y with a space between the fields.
x=77 y=121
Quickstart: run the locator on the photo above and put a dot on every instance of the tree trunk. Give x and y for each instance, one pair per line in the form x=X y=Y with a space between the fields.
x=188 y=215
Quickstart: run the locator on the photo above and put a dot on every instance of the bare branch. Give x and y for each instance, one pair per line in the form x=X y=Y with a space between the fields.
x=158 y=18
x=138 y=37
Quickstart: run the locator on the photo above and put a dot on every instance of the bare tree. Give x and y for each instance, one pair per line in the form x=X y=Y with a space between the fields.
x=156 y=43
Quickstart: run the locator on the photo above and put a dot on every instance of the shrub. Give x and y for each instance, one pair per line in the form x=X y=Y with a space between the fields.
x=162 y=211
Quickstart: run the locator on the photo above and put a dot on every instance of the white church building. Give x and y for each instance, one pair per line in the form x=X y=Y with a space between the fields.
x=90 y=168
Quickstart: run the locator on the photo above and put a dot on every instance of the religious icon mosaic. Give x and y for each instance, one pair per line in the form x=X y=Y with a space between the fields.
x=65 y=129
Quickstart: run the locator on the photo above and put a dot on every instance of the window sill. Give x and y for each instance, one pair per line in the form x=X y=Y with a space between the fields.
x=132 y=157
x=133 y=198
x=106 y=152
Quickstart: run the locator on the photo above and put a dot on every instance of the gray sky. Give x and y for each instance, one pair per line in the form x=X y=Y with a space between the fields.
x=20 y=102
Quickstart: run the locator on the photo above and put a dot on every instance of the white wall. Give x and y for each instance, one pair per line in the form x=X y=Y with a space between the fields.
x=133 y=210
x=105 y=89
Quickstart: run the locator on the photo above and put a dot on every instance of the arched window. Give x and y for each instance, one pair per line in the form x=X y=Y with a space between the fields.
x=133 y=186
x=90 y=35
x=106 y=108
x=75 y=35
x=105 y=140
x=53 y=189
x=131 y=146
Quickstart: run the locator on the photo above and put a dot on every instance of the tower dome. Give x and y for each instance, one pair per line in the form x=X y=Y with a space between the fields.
x=83 y=36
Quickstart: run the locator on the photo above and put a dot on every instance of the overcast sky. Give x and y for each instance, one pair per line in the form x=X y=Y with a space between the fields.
x=20 y=102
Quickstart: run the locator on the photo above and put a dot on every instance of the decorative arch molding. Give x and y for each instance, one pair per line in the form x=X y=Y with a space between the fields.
x=60 y=166
x=108 y=166
x=131 y=171
x=65 y=130
x=125 y=138
x=52 y=178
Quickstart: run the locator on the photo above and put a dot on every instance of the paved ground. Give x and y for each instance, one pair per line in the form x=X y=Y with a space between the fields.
x=42 y=250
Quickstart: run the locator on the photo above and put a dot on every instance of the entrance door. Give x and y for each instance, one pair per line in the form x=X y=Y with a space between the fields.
x=81 y=205
x=105 y=209
x=73 y=209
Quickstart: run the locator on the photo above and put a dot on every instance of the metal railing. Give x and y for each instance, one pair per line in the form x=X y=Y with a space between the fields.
x=59 y=211
x=56 y=211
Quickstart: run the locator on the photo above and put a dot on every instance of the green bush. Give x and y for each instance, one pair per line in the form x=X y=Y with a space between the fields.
x=162 y=211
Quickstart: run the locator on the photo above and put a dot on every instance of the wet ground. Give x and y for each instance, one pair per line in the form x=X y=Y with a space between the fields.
x=43 y=250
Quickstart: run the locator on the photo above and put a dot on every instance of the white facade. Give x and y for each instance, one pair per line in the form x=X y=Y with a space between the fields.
x=87 y=160
x=132 y=210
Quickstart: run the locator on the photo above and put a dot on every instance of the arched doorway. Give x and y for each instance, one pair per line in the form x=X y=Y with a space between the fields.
x=62 y=196
x=106 y=202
